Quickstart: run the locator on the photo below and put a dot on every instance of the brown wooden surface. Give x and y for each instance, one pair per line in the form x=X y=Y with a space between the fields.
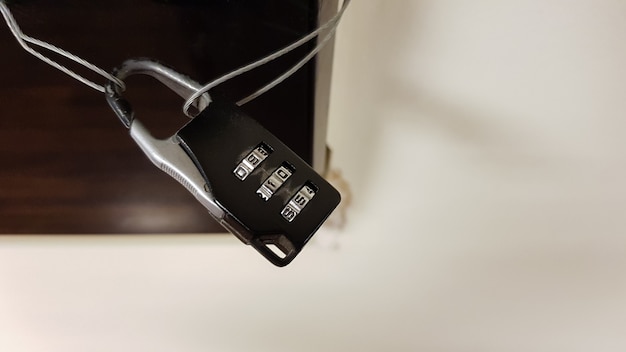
x=68 y=165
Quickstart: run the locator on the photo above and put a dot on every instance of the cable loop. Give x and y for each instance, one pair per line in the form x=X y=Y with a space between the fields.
x=23 y=40
x=330 y=27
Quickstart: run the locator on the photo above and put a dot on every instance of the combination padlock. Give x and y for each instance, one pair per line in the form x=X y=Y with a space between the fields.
x=249 y=181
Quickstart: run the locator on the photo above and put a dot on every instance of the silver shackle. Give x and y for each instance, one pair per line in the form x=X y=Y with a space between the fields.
x=179 y=83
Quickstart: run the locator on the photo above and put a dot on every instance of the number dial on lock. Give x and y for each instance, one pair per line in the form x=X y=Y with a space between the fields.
x=270 y=194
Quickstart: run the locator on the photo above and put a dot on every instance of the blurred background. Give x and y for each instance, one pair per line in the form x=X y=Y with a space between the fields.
x=483 y=142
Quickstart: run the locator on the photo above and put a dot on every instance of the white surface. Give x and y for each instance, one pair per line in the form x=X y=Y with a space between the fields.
x=484 y=143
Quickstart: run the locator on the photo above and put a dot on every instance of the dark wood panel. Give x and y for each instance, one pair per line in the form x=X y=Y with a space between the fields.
x=68 y=165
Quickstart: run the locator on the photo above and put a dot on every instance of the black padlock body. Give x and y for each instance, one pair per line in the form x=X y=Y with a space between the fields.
x=218 y=139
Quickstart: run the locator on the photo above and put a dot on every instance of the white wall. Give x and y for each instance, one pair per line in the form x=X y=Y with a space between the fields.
x=483 y=141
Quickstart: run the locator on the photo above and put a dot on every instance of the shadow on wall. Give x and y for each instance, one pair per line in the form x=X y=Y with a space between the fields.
x=393 y=30
x=428 y=110
x=360 y=80
x=386 y=92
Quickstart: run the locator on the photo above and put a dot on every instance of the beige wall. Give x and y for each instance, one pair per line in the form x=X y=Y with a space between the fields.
x=484 y=144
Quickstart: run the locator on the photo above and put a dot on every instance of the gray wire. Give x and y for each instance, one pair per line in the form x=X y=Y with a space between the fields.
x=23 y=39
x=289 y=72
x=332 y=24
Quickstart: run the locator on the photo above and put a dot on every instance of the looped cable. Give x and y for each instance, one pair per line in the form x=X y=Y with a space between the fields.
x=23 y=39
x=331 y=25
